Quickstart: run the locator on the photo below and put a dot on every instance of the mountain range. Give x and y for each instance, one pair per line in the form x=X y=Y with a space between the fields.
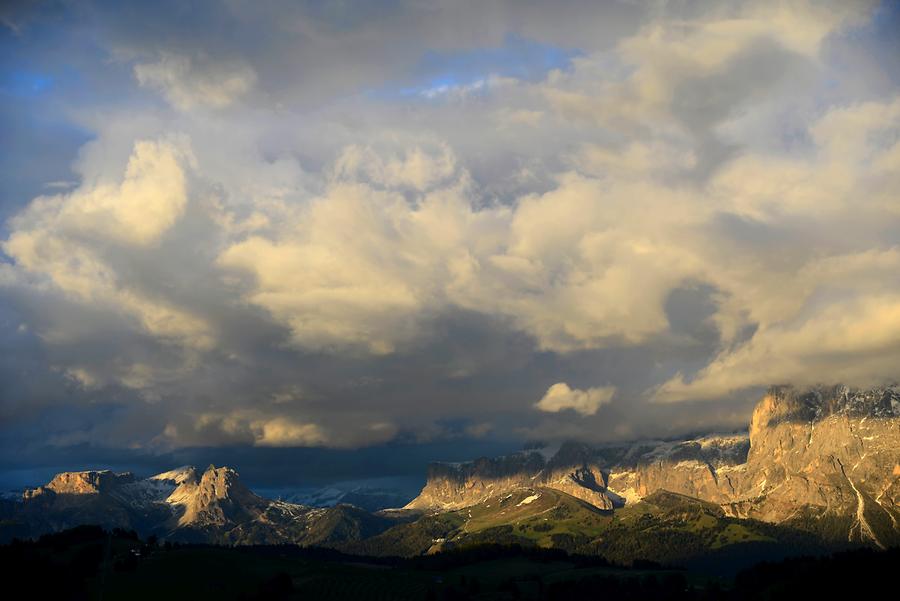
x=817 y=469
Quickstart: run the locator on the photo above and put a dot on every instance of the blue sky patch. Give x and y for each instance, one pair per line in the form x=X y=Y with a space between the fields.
x=25 y=83
x=519 y=58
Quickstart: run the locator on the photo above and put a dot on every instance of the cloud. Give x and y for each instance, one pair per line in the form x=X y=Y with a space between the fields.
x=298 y=251
x=138 y=210
x=825 y=311
x=76 y=242
x=352 y=269
x=363 y=267
x=853 y=339
x=187 y=83
x=245 y=426
x=284 y=432
x=416 y=168
x=560 y=397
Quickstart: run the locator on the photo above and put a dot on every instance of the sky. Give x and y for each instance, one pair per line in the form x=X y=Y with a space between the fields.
x=349 y=238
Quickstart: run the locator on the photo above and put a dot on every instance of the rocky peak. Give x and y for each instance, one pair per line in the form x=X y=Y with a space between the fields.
x=223 y=483
x=218 y=497
x=91 y=482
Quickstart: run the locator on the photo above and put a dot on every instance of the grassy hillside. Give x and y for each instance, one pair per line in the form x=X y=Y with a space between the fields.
x=666 y=528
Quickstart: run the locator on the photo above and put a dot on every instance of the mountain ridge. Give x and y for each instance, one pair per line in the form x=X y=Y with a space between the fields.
x=825 y=451
x=825 y=461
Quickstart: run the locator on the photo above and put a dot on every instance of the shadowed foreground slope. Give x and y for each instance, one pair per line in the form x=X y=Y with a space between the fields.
x=90 y=563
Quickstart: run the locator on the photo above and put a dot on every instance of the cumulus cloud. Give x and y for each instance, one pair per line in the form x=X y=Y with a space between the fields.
x=355 y=268
x=560 y=397
x=76 y=242
x=138 y=210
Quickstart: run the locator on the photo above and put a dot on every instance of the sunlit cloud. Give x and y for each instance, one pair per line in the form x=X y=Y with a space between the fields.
x=341 y=231
x=560 y=397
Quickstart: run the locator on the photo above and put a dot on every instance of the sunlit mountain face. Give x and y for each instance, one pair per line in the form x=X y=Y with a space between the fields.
x=328 y=243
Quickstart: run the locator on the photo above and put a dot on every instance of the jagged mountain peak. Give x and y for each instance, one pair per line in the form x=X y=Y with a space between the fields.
x=218 y=498
x=224 y=483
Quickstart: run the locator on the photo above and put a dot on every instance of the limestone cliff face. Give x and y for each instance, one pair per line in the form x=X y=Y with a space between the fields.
x=575 y=471
x=75 y=498
x=80 y=483
x=571 y=470
x=812 y=454
x=604 y=477
x=704 y=468
x=829 y=451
